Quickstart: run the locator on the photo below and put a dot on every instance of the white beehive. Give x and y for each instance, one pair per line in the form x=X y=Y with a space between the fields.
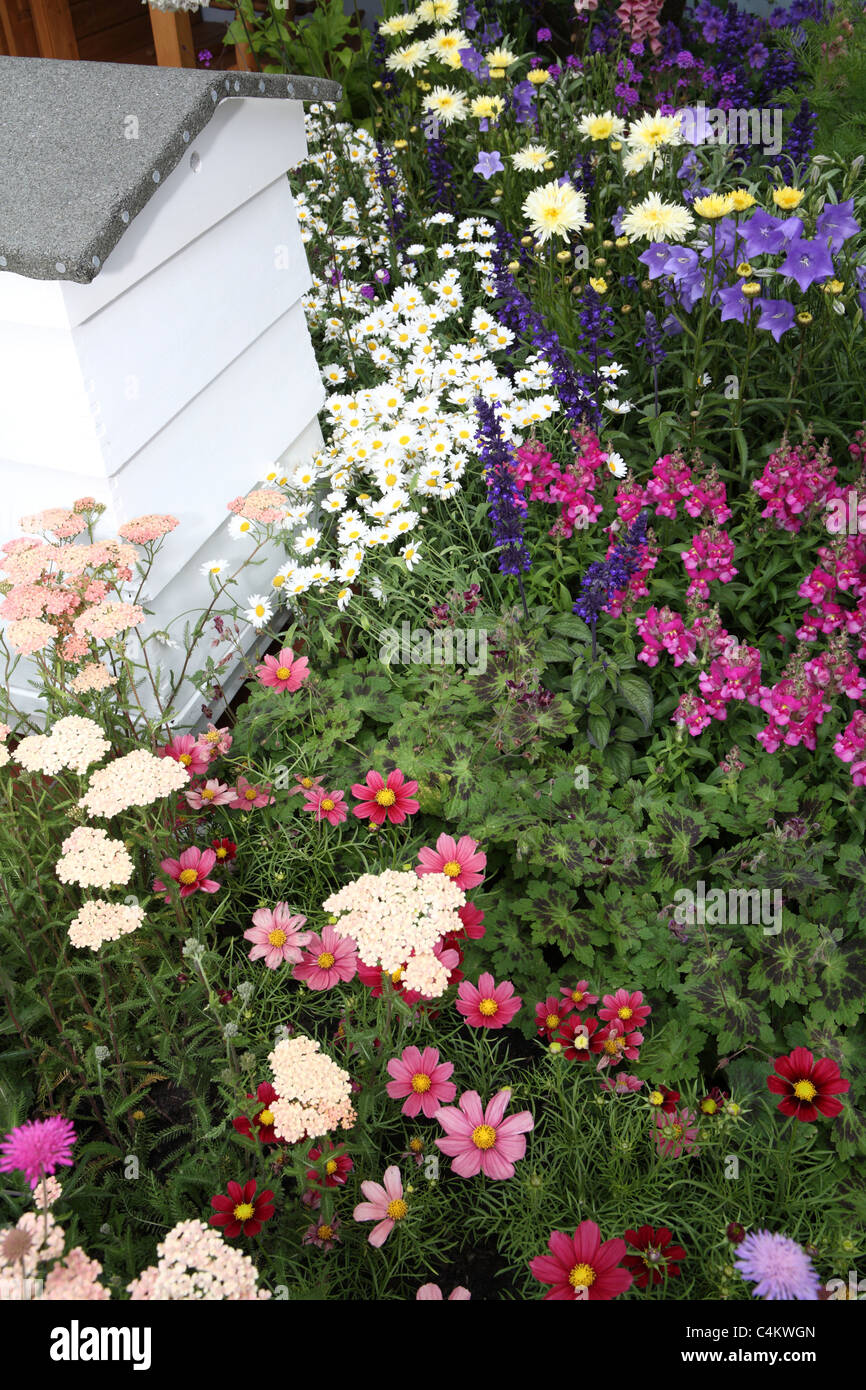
x=153 y=348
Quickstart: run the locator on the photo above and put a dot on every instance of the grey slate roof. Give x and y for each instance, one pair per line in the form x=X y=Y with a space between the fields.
x=70 y=180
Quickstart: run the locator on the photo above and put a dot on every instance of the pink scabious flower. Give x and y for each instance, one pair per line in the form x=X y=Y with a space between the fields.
x=422 y=1079
x=247 y=797
x=213 y=793
x=458 y=860
x=628 y=1008
x=487 y=1005
x=676 y=1132
x=384 y=1205
x=483 y=1141
x=283 y=672
x=431 y=1293
x=276 y=936
x=186 y=751
x=37 y=1148
x=329 y=958
x=329 y=806
x=380 y=799
x=190 y=872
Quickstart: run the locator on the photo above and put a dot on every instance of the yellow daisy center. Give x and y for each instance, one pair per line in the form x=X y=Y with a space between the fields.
x=325 y=960
x=187 y=876
x=331 y=1166
x=266 y=1117
x=324 y=1232
x=551 y=1021
x=208 y=794
x=452 y=868
x=250 y=793
x=484 y=1136
x=611 y=1046
x=327 y=804
x=804 y=1090
x=385 y=797
x=656 y=1098
x=283 y=673
x=277 y=937
x=221 y=853
x=421 y=1082
x=306 y=782
x=488 y=1007
x=244 y=1212
x=185 y=758
x=582 y=1277
x=625 y=1013
x=397 y=1209
x=416 y=1145
x=577 y=995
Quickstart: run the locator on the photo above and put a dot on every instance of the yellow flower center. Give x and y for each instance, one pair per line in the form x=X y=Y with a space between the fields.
x=416 y=1145
x=421 y=1082
x=188 y=876
x=325 y=960
x=484 y=1136
x=283 y=673
x=804 y=1090
x=213 y=736
x=306 y=782
x=582 y=1277
x=677 y=1131
x=266 y=1117
x=625 y=1013
x=185 y=758
x=221 y=853
x=611 y=1046
x=577 y=995
x=452 y=868
x=656 y=1098
x=250 y=793
x=331 y=1166
x=397 y=1209
x=244 y=1212
x=277 y=937
x=385 y=797
x=324 y=1232
x=208 y=794
x=327 y=804
x=396 y=976
x=488 y=1007
x=551 y=1021
x=709 y=1106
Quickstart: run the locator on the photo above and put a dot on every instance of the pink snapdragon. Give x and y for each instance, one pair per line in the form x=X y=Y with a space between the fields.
x=797 y=481
x=709 y=557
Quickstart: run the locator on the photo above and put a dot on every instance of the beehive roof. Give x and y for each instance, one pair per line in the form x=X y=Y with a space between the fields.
x=71 y=181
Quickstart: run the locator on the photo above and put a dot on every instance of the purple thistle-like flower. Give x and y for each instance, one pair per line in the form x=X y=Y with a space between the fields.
x=37 y=1148
x=507 y=503
x=779 y=1268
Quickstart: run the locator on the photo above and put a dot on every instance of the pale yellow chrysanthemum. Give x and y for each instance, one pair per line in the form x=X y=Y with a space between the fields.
x=409 y=58
x=447 y=104
x=657 y=220
x=714 y=205
x=531 y=157
x=436 y=11
x=636 y=160
x=500 y=58
x=400 y=24
x=447 y=45
x=487 y=108
x=651 y=132
x=607 y=126
x=538 y=77
x=741 y=200
x=787 y=197
x=555 y=210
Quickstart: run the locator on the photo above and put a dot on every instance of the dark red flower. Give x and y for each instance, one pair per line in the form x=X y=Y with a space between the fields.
x=736 y=1233
x=807 y=1087
x=550 y=1013
x=472 y=918
x=669 y=1099
x=334 y=1170
x=242 y=1210
x=263 y=1119
x=713 y=1101
x=656 y=1257
x=575 y=1035
x=225 y=996
x=582 y=1266
x=225 y=850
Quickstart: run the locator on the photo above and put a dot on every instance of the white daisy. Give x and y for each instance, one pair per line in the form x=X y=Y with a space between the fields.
x=411 y=556
x=259 y=610
x=213 y=567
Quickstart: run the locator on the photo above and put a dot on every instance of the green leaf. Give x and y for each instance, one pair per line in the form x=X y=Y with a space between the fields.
x=635 y=692
x=599 y=730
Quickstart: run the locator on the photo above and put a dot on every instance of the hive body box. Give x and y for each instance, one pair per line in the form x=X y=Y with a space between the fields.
x=153 y=349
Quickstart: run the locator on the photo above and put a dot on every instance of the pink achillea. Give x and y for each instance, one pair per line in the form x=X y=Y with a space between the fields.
x=60 y=520
x=676 y=1132
x=264 y=505
x=487 y=1005
x=328 y=959
x=141 y=530
x=190 y=873
x=275 y=936
x=105 y=620
x=93 y=676
x=482 y=1141
x=458 y=860
x=30 y=635
x=196 y=1263
x=420 y=1080
x=384 y=1205
x=284 y=671
x=37 y=1148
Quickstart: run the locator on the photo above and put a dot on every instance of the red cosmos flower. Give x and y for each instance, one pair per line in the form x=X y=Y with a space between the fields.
x=550 y=1013
x=629 y=1009
x=284 y=672
x=582 y=1266
x=575 y=1037
x=472 y=918
x=381 y=800
x=190 y=872
x=242 y=1210
x=713 y=1101
x=807 y=1087
x=334 y=1171
x=661 y=1098
x=263 y=1119
x=487 y=1005
x=615 y=1043
x=657 y=1256
x=225 y=850
x=459 y=860
x=579 y=995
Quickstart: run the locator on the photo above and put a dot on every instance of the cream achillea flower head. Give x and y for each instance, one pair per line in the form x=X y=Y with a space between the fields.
x=652 y=132
x=93 y=676
x=606 y=126
x=73 y=742
x=138 y=779
x=656 y=220
x=394 y=915
x=314 y=1093
x=92 y=860
x=99 y=921
x=196 y=1263
x=531 y=157
x=555 y=209
x=448 y=105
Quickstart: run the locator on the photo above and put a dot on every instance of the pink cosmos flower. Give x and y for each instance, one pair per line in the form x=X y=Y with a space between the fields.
x=487 y=1005
x=628 y=1008
x=380 y=799
x=323 y=1234
x=384 y=1205
x=190 y=872
x=458 y=861
x=184 y=749
x=329 y=806
x=215 y=742
x=213 y=793
x=481 y=1141
x=247 y=796
x=432 y=1293
x=276 y=936
x=615 y=1042
x=328 y=959
x=423 y=1079
x=676 y=1132
x=284 y=672
x=582 y=1266
x=304 y=785
x=37 y=1148
x=579 y=995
